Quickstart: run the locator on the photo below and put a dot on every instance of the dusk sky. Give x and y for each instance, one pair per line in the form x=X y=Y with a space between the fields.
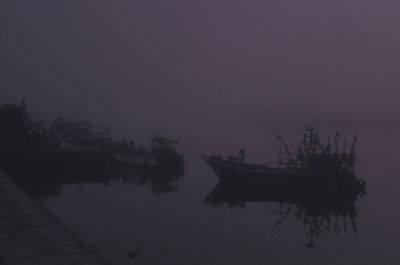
x=177 y=63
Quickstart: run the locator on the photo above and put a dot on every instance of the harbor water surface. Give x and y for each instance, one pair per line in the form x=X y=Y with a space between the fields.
x=139 y=221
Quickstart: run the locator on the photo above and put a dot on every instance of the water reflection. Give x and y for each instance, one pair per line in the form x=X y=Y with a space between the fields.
x=318 y=212
x=160 y=181
x=45 y=180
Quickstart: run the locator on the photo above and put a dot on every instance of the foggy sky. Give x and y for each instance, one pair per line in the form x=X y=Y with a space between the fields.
x=165 y=64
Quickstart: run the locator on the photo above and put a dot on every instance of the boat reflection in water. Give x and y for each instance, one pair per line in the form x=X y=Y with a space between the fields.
x=45 y=180
x=319 y=212
x=160 y=181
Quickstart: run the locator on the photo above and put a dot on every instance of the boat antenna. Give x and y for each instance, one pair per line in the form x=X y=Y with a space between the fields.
x=335 y=139
x=279 y=138
x=353 y=145
x=353 y=150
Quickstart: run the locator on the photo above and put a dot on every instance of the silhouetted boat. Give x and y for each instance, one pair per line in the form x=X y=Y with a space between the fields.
x=163 y=154
x=314 y=166
x=80 y=135
x=129 y=155
x=63 y=141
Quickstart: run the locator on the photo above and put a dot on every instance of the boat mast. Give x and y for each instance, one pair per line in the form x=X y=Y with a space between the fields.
x=280 y=148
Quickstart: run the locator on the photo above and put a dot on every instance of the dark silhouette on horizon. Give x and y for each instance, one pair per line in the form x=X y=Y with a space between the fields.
x=44 y=155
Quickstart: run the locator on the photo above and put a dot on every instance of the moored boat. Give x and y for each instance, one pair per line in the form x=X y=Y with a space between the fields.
x=313 y=166
x=162 y=155
x=63 y=142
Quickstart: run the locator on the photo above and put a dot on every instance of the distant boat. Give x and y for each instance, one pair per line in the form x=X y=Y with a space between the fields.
x=163 y=154
x=314 y=166
x=64 y=141
x=80 y=135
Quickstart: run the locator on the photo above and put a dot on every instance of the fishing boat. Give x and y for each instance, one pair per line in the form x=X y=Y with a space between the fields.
x=62 y=142
x=313 y=166
x=79 y=134
x=163 y=154
x=126 y=154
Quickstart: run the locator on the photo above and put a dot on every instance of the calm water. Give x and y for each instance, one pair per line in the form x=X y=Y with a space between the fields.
x=171 y=223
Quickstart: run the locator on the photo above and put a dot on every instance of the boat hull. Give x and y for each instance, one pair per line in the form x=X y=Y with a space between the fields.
x=251 y=175
x=135 y=160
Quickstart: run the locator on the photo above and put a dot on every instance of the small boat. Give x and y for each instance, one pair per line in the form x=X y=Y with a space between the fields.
x=313 y=166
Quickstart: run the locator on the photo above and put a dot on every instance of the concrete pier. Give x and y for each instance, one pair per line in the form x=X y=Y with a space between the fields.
x=30 y=234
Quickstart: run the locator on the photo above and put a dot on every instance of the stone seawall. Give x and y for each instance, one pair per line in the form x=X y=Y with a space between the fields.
x=30 y=234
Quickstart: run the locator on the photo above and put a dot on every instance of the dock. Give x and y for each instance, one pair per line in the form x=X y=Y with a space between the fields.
x=30 y=234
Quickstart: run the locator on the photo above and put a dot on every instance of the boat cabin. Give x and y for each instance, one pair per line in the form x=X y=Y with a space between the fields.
x=159 y=143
